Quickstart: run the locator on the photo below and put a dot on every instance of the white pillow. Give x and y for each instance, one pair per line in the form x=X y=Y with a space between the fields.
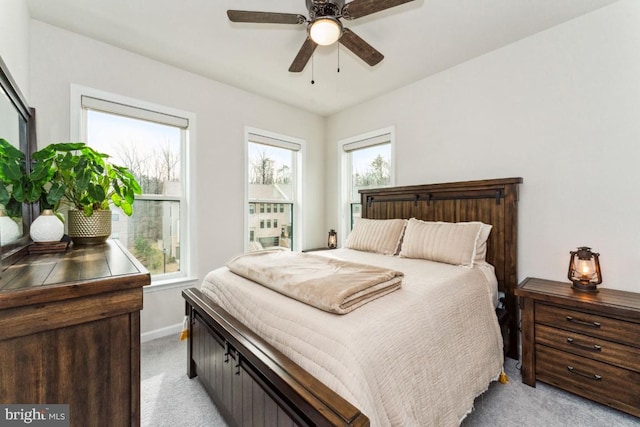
x=381 y=236
x=458 y=243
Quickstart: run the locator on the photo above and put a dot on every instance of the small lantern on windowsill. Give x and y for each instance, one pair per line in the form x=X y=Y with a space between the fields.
x=584 y=270
x=332 y=243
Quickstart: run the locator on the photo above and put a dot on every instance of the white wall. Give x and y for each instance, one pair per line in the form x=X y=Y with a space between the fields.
x=14 y=42
x=60 y=58
x=560 y=109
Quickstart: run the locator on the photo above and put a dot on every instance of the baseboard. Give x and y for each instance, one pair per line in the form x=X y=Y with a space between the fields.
x=162 y=332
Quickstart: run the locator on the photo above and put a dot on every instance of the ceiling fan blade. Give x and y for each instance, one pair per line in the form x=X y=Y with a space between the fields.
x=303 y=56
x=265 y=17
x=361 y=48
x=360 y=8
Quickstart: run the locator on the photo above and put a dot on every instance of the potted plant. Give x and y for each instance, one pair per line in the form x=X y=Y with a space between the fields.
x=20 y=187
x=88 y=182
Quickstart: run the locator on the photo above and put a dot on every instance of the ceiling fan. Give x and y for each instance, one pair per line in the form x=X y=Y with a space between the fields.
x=324 y=26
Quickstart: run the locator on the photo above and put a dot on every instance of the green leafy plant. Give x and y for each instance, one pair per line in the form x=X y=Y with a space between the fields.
x=83 y=177
x=17 y=187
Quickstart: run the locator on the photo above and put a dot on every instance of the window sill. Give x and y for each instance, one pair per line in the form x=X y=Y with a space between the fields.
x=163 y=285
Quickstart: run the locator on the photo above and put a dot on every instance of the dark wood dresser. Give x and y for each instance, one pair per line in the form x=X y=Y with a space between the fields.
x=70 y=333
x=585 y=343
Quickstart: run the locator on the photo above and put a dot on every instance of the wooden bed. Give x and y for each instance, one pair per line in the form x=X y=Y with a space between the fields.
x=253 y=384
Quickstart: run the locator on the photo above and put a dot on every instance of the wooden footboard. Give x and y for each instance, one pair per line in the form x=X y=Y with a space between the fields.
x=251 y=382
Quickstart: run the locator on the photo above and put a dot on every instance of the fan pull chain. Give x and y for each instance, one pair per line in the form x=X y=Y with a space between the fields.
x=338 y=57
x=312 y=80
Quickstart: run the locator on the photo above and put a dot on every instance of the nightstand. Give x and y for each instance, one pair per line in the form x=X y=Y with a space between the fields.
x=585 y=343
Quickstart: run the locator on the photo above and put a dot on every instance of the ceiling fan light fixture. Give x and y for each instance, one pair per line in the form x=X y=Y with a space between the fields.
x=325 y=31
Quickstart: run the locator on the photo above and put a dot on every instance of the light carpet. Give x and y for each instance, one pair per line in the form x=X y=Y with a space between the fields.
x=169 y=398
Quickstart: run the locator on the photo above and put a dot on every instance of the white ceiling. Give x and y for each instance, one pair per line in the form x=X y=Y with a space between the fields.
x=418 y=39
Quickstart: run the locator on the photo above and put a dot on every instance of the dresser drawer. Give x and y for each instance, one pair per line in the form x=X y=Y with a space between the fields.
x=590 y=324
x=595 y=348
x=595 y=380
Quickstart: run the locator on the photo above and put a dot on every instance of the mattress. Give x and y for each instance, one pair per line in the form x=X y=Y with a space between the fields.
x=416 y=357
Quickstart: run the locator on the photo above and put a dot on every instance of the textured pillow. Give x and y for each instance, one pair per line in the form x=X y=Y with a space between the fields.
x=459 y=243
x=480 y=254
x=376 y=235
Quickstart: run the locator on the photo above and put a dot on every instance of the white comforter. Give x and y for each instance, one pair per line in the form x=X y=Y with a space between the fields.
x=416 y=357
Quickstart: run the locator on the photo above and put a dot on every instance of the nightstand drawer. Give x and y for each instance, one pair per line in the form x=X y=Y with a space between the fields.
x=595 y=348
x=589 y=324
x=589 y=378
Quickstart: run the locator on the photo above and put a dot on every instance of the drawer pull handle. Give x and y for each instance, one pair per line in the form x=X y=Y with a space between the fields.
x=582 y=322
x=594 y=377
x=594 y=347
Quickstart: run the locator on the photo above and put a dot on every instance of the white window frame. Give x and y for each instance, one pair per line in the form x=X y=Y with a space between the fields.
x=78 y=132
x=364 y=140
x=252 y=134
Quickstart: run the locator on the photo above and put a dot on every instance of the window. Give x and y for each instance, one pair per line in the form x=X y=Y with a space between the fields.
x=152 y=141
x=273 y=179
x=367 y=162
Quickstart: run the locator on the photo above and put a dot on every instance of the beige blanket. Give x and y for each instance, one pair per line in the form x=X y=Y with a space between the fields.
x=331 y=285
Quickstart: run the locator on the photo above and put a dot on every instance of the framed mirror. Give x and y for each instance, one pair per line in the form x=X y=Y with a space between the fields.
x=17 y=125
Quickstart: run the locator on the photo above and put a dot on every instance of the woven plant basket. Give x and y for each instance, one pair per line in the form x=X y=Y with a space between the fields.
x=91 y=230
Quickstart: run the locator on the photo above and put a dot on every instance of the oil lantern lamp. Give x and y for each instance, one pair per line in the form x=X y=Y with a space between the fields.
x=584 y=270
x=332 y=242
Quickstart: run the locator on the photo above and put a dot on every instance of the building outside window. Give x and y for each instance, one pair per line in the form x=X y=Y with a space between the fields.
x=274 y=165
x=152 y=141
x=367 y=162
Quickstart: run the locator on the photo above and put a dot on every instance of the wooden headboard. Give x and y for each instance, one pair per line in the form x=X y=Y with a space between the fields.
x=493 y=201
